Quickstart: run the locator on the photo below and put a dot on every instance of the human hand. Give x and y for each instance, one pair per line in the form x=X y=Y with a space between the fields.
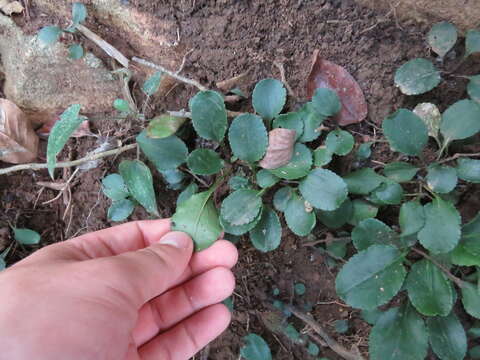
x=132 y=292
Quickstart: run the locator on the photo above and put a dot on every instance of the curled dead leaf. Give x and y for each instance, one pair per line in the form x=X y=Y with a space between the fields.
x=18 y=141
x=326 y=74
x=280 y=148
x=11 y=7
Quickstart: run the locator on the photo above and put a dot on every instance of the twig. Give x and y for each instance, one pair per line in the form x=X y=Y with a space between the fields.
x=67 y=164
x=456 y=156
x=332 y=344
x=186 y=114
x=170 y=73
x=228 y=84
x=281 y=68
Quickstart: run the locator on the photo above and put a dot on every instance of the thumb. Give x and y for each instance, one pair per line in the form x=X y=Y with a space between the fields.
x=144 y=274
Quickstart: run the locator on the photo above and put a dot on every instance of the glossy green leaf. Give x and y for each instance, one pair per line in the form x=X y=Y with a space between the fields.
x=339 y=142
x=473 y=88
x=248 y=137
x=429 y=290
x=463 y=257
x=298 y=167
x=239 y=182
x=239 y=230
x=399 y=334
x=474 y=332
x=292 y=120
x=336 y=218
x=362 y=210
x=241 y=207
x=255 y=348
x=441 y=232
x=460 y=121
x=209 y=116
x=471 y=299
x=164 y=126
x=441 y=179
x=311 y=123
x=412 y=218
x=313 y=349
x=364 y=151
x=75 y=51
x=114 y=187
x=121 y=105
x=69 y=121
x=322 y=156
x=204 y=162
x=337 y=248
x=442 y=37
x=472 y=42
x=372 y=232
x=299 y=219
x=267 y=234
x=431 y=116
x=120 y=210
x=400 y=171
x=174 y=178
x=405 y=132
x=363 y=181
x=371 y=316
x=389 y=193
x=187 y=193
x=152 y=84
x=417 y=76
x=198 y=217
x=447 y=337
x=324 y=189
x=469 y=170
x=266 y=179
x=282 y=197
x=139 y=181
x=26 y=236
x=341 y=326
x=269 y=98
x=165 y=154
x=326 y=102
x=79 y=13
x=49 y=34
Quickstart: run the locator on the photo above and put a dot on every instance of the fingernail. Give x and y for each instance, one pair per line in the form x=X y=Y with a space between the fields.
x=177 y=239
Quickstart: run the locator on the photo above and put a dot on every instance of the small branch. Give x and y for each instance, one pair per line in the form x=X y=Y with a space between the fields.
x=66 y=164
x=228 y=84
x=170 y=73
x=332 y=344
x=456 y=156
x=186 y=114
x=281 y=69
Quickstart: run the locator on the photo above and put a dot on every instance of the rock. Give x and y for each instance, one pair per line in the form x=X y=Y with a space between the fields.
x=44 y=80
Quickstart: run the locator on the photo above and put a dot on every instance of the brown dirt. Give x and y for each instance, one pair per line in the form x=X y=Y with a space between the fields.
x=226 y=39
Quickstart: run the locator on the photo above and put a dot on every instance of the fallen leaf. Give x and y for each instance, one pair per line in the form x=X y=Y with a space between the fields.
x=9 y=8
x=83 y=129
x=326 y=74
x=280 y=148
x=18 y=141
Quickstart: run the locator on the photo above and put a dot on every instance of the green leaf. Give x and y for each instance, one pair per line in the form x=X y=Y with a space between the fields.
x=255 y=348
x=337 y=248
x=282 y=197
x=417 y=76
x=364 y=151
x=241 y=207
x=371 y=316
x=363 y=181
x=49 y=34
x=298 y=167
x=237 y=91
x=372 y=277
x=3 y=264
x=399 y=334
x=267 y=234
x=79 y=13
x=362 y=210
x=461 y=256
x=441 y=179
x=472 y=42
x=165 y=154
x=121 y=105
x=298 y=219
x=292 y=120
x=187 y=193
x=447 y=337
x=62 y=130
x=238 y=230
x=471 y=299
x=209 y=116
x=26 y=236
x=120 y=210
x=341 y=326
x=372 y=232
x=412 y=218
x=326 y=102
x=460 y=121
x=324 y=189
x=474 y=332
x=311 y=123
x=389 y=193
x=266 y=179
x=473 y=88
x=339 y=142
x=442 y=38
x=469 y=170
x=336 y=218
x=429 y=290
x=138 y=178
x=198 y=217
x=474 y=352
x=322 y=156
x=204 y=162
x=406 y=132
x=239 y=182
x=164 y=126
x=248 y=137
x=400 y=171
x=441 y=232
x=268 y=98
x=313 y=349
x=300 y=289
x=174 y=178
x=114 y=187
x=75 y=51
x=152 y=84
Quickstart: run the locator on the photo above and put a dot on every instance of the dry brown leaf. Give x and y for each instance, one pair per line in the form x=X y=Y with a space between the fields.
x=280 y=148
x=18 y=141
x=326 y=74
x=9 y=8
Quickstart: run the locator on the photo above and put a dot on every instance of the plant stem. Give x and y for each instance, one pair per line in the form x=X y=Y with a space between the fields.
x=186 y=114
x=456 y=156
